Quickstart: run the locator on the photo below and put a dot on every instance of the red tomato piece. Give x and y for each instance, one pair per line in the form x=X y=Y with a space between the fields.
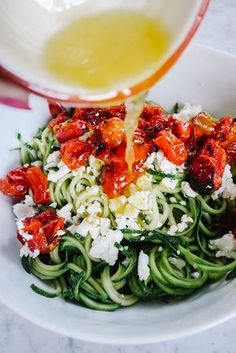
x=173 y=149
x=75 y=153
x=71 y=130
x=222 y=129
x=15 y=184
x=115 y=179
x=112 y=131
x=39 y=185
x=95 y=116
x=56 y=122
x=43 y=228
x=206 y=169
x=203 y=124
x=141 y=152
x=55 y=108
x=182 y=130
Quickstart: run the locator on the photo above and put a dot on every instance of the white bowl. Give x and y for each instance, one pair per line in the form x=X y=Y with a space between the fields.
x=203 y=76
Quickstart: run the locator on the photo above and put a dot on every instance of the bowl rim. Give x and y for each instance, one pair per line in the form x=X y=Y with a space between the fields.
x=146 y=84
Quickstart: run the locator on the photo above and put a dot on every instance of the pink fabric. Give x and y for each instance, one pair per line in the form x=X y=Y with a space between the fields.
x=14 y=103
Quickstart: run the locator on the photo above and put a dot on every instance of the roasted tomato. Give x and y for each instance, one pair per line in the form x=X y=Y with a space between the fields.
x=222 y=129
x=75 y=153
x=112 y=132
x=173 y=149
x=55 y=109
x=182 y=130
x=71 y=130
x=39 y=185
x=207 y=168
x=95 y=116
x=15 y=184
x=56 y=122
x=151 y=114
x=141 y=152
x=43 y=228
x=203 y=124
x=115 y=179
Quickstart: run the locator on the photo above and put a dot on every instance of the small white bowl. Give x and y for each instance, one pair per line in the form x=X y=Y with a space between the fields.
x=203 y=76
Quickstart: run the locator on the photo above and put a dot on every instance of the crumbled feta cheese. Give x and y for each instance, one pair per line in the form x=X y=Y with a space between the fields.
x=143 y=268
x=93 y=190
x=158 y=161
x=173 y=229
x=130 y=211
x=29 y=200
x=187 y=219
x=21 y=210
x=53 y=205
x=60 y=232
x=94 y=208
x=173 y=199
x=79 y=171
x=187 y=190
x=81 y=211
x=183 y=202
x=25 y=251
x=178 y=263
x=169 y=183
x=124 y=222
x=55 y=176
x=188 y=111
x=103 y=247
x=36 y=163
x=226 y=246
x=65 y=212
x=117 y=203
x=53 y=160
x=160 y=249
x=92 y=225
x=195 y=274
x=144 y=183
x=141 y=200
x=180 y=227
x=94 y=167
x=228 y=188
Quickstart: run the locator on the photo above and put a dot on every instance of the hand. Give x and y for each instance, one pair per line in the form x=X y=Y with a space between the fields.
x=11 y=94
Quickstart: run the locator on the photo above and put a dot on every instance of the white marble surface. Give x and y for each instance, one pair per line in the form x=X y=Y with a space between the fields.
x=19 y=336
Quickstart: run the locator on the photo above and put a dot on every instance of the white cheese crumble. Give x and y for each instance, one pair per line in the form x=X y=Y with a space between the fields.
x=169 y=183
x=188 y=111
x=173 y=199
x=228 y=188
x=124 y=222
x=53 y=160
x=187 y=190
x=178 y=263
x=158 y=161
x=195 y=274
x=141 y=200
x=55 y=176
x=25 y=208
x=226 y=246
x=143 y=268
x=25 y=251
x=180 y=227
x=103 y=247
x=94 y=208
x=65 y=212
x=92 y=225
x=22 y=210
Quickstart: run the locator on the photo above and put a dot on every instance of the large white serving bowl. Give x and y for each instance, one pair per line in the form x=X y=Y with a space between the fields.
x=203 y=76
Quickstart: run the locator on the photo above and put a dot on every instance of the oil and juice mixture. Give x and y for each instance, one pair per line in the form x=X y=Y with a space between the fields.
x=106 y=51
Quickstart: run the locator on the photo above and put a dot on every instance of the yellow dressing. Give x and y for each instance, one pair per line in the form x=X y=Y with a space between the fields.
x=103 y=51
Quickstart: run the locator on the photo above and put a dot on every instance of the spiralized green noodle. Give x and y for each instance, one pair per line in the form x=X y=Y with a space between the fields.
x=80 y=278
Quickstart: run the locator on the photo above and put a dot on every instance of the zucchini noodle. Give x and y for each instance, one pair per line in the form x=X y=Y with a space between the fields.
x=161 y=231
